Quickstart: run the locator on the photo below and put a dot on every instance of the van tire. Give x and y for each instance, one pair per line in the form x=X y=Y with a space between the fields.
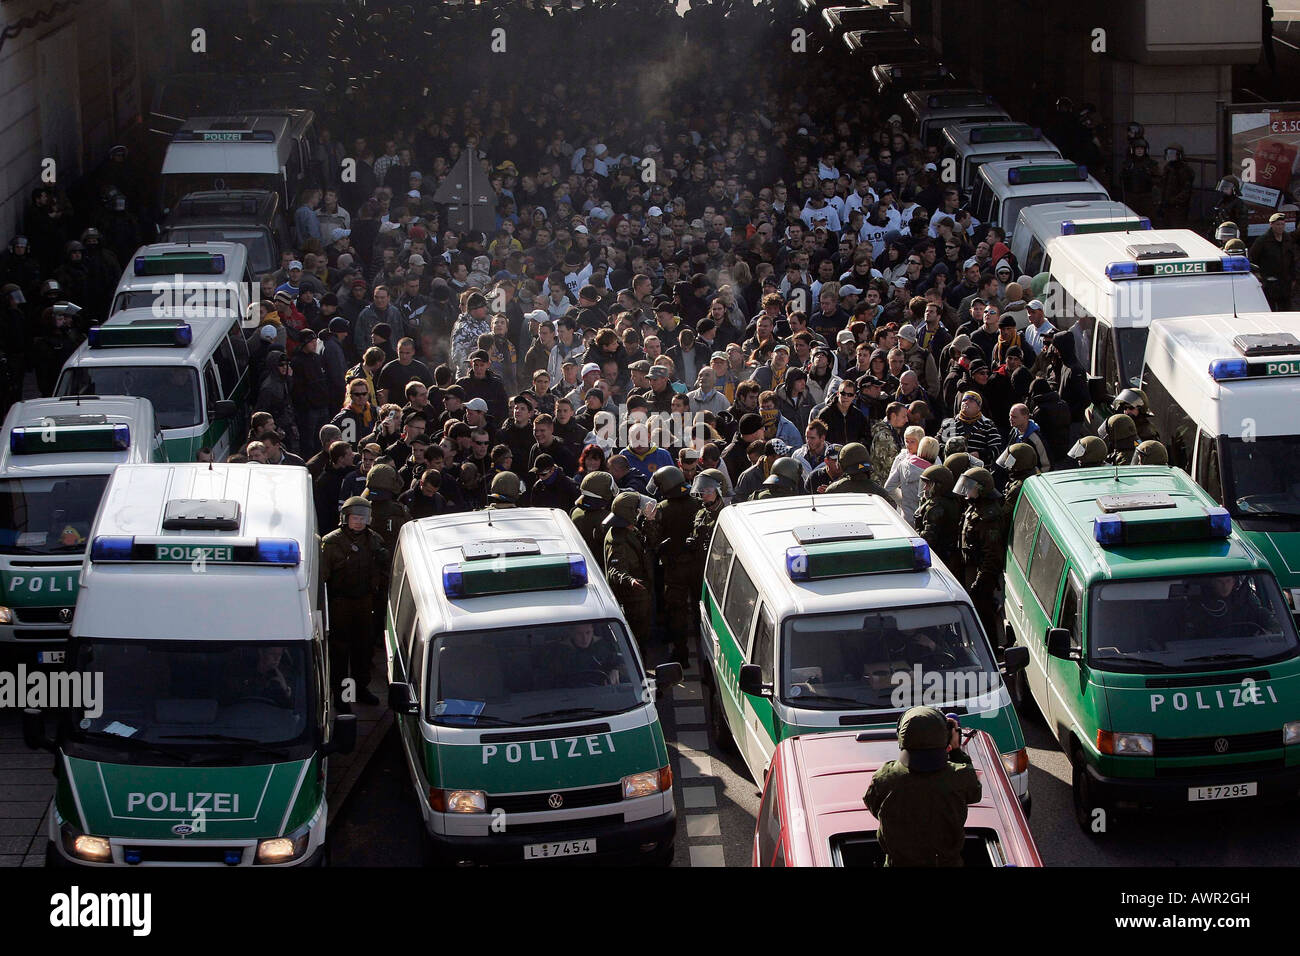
x=1022 y=697
x=661 y=856
x=717 y=720
x=1085 y=805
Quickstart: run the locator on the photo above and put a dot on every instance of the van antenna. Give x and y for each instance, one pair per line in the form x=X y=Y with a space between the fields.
x=489 y=516
x=812 y=503
x=1232 y=288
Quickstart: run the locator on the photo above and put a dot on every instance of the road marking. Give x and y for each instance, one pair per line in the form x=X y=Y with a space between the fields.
x=699 y=798
x=688 y=690
x=707 y=856
x=703 y=825
x=694 y=765
x=693 y=740
x=688 y=715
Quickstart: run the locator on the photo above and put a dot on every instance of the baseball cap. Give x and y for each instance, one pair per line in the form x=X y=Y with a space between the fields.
x=415 y=260
x=833 y=452
x=476 y=405
x=849 y=289
x=654 y=211
x=658 y=371
x=543 y=462
x=870 y=381
x=690 y=454
x=480 y=355
x=580 y=228
x=1277 y=217
x=295 y=264
x=716 y=356
x=590 y=367
x=339 y=233
x=900 y=283
x=970 y=263
x=1035 y=304
x=844 y=335
x=923 y=735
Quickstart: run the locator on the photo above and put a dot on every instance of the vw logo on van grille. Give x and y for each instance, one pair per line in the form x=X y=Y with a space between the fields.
x=65 y=615
x=1221 y=745
x=555 y=801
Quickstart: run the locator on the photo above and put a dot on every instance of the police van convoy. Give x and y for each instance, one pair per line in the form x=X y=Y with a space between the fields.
x=56 y=456
x=1005 y=187
x=1162 y=654
x=932 y=110
x=195 y=373
x=1120 y=283
x=263 y=149
x=1042 y=222
x=176 y=277
x=209 y=743
x=524 y=709
x=831 y=614
x=1222 y=392
x=974 y=144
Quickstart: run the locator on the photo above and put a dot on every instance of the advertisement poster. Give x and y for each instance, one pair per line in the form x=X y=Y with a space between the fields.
x=1267 y=135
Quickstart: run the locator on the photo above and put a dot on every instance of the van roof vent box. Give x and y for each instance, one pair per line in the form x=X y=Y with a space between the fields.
x=201 y=514
x=1266 y=343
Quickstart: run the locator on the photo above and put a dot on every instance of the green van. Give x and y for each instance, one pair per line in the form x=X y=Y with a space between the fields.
x=1162 y=654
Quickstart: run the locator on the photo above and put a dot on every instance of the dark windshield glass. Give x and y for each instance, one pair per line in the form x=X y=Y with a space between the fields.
x=48 y=515
x=1132 y=344
x=256 y=241
x=1262 y=476
x=543 y=674
x=192 y=696
x=1206 y=622
x=173 y=389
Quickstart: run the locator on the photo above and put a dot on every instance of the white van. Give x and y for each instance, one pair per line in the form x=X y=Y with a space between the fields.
x=201 y=607
x=1117 y=284
x=1004 y=188
x=1222 y=393
x=1042 y=222
x=932 y=110
x=176 y=278
x=56 y=456
x=974 y=144
x=830 y=613
x=266 y=149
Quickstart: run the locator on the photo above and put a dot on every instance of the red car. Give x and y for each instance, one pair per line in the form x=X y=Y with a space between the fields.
x=812 y=812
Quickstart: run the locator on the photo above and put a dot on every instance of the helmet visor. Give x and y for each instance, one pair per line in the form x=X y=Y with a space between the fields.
x=704 y=483
x=1006 y=459
x=966 y=487
x=1077 y=450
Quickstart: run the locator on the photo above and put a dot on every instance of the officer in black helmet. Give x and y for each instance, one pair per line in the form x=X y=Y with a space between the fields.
x=1121 y=433
x=983 y=543
x=938 y=516
x=596 y=494
x=354 y=569
x=1139 y=176
x=1230 y=209
x=1150 y=453
x=786 y=479
x=666 y=531
x=629 y=567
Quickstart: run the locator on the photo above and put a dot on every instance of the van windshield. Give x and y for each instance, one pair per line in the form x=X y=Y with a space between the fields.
x=1010 y=214
x=886 y=660
x=173 y=389
x=1262 y=476
x=177 y=185
x=48 y=515
x=256 y=241
x=1202 y=622
x=540 y=674
x=193 y=699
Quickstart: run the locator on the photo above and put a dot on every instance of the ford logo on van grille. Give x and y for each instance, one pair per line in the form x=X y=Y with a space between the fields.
x=1221 y=745
x=555 y=801
x=182 y=829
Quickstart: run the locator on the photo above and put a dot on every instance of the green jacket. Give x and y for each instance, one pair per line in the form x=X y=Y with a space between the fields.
x=938 y=521
x=702 y=529
x=588 y=522
x=386 y=519
x=627 y=559
x=983 y=541
x=354 y=564
x=668 y=528
x=883 y=449
x=923 y=815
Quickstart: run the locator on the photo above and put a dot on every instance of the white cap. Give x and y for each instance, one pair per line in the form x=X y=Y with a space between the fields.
x=415 y=260
x=476 y=405
x=590 y=367
x=654 y=211
x=1035 y=304
x=849 y=289
x=413 y=194
x=268 y=333
x=295 y=264
x=538 y=315
x=580 y=228
x=601 y=149
x=844 y=335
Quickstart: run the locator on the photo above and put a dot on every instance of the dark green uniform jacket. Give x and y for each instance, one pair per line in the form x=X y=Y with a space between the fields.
x=923 y=815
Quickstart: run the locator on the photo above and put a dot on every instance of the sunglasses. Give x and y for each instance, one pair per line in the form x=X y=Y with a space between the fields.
x=354 y=394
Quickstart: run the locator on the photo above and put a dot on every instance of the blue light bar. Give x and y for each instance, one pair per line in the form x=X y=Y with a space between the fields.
x=1122 y=270
x=1071 y=227
x=137 y=336
x=283 y=551
x=1235 y=264
x=577 y=571
x=112 y=547
x=453 y=581
x=1220 y=522
x=1224 y=369
x=921 y=552
x=796 y=563
x=1108 y=529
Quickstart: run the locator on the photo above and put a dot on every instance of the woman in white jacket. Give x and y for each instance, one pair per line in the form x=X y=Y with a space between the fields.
x=904 y=481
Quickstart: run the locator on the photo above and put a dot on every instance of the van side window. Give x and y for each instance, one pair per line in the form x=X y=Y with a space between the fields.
x=404 y=616
x=742 y=596
x=1022 y=531
x=415 y=673
x=995 y=209
x=1045 y=571
x=1108 y=365
x=227 y=370
x=210 y=385
x=1034 y=257
x=1207 y=466
x=395 y=576
x=1070 y=605
x=1175 y=426
x=761 y=650
x=719 y=562
x=239 y=346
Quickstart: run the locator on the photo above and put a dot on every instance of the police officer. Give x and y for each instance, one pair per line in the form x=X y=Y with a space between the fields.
x=785 y=479
x=1122 y=433
x=354 y=568
x=960 y=462
x=1089 y=451
x=389 y=514
x=628 y=566
x=921 y=798
x=1225 y=232
x=1133 y=403
x=1151 y=453
x=1230 y=208
x=1021 y=462
x=1138 y=177
x=709 y=487
x=505 y=491
x=982 y=543
x=596 y=493
x=666 y=531
x=938 y=517
x=855 y=462
x=1175 y=188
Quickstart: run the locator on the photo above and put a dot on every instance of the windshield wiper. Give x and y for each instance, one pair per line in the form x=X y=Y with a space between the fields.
x=573 y=712
x=133 y=743
x=1126 y=659
x=1220 y=657
x=475 y=718
x=251 y=743
x=829 y=698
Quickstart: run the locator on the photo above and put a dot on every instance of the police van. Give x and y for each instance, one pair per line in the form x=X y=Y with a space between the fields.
x=183 y=277
x=1222 y=392
x=195 y=373
x=894 y=79
x=1001 y=189
x=254 y=218
x=1162 y=654
x=1040 y=223
x=932 y=110
x=201 y=611
x=56 y=456
x=974 y=144
x=830 y=614
x=877 y=45
x=1118 y=284
x=524 y=709
x=265 y=149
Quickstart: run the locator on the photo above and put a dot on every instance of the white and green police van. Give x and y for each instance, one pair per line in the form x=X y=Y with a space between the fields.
x=1040 y=223
x=56 y=456
x=200 y=617
x=1222 y=391
x=1118 y=284
x=195 y=372
x=181 y=279
x=526 y=715
x=831 y=614
x=1002 y=188
x=932 y=110
x=974 y=144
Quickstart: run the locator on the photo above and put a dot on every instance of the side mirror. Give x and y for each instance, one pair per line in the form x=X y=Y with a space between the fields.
x=34 y=729
x=224 y=409
x=401 y=700
x=1058 y=644
x=751 y=681
x=1014 y=659
x=343 y=736
x=666 y=675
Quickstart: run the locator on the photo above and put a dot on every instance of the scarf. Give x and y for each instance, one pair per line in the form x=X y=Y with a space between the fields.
x=970 y=419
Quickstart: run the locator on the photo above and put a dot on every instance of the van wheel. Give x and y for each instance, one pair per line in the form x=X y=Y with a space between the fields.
x=1093 y=818
x=1022 y=697
x=717 y=719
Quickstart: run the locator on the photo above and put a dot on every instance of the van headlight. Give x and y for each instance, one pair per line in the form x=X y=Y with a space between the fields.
x=1126 y=745
x=1291 y=732
x=83 y=846
x=647 y=783
x=283 y=849
x=6 y=615
x=457 y=801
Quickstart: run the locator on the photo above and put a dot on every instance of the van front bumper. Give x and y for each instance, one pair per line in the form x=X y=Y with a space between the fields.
x=629 y=842
x=1274 y=785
